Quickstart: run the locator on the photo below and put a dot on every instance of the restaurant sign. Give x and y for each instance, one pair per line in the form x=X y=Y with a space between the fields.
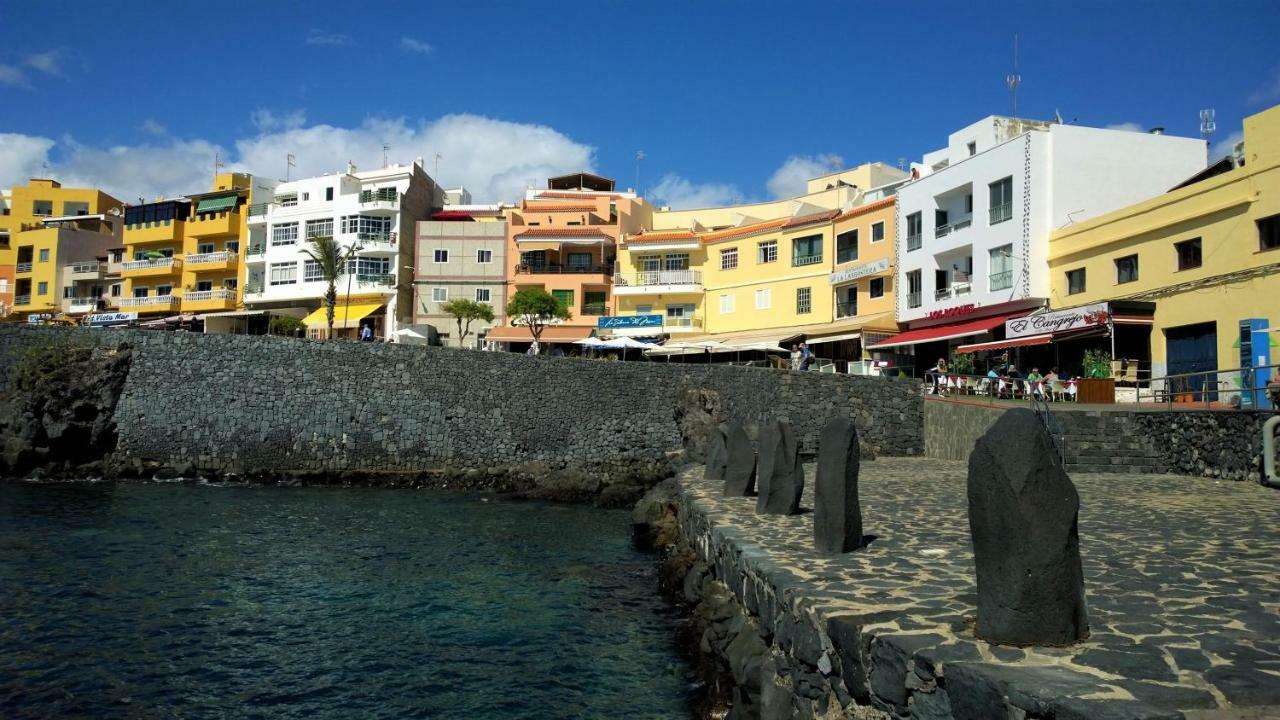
x=957 y=311
x=37 y=318
x=111 y=318
x=1057 y=321
x=619 y=322
x=859 y=271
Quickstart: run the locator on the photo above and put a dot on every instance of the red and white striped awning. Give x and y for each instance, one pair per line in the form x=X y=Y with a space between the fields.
x=1002 y=344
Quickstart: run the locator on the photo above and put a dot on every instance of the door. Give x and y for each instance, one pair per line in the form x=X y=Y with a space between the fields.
x=1192 y=349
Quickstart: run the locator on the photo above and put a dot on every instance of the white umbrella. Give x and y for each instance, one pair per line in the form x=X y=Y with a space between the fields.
x=590 y=342
x=626 y=342
x=409 y=332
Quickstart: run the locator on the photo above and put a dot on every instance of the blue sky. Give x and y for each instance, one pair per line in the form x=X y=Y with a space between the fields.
x=728 y=100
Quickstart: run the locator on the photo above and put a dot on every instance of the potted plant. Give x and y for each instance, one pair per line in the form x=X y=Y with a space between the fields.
x=1097 y=385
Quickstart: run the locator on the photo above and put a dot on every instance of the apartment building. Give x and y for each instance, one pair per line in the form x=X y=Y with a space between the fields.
x=461 y=253
x=372 y=214
x=972 y=234
x=43 y=226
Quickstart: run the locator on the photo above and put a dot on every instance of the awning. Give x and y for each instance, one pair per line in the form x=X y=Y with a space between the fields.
x=344 y=316
x=214 y=204
x=1002 y=344
x=1132 y=319
x=850 y=328
x=944 y=332
x=550 y=334
x=834 y=338
x=746 y=340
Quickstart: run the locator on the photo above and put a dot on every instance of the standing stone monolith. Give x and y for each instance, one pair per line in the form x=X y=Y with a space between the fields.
x=779 y=475
x=837 y=514
x=740 y=463
x=717 y=455
x=1023 y=511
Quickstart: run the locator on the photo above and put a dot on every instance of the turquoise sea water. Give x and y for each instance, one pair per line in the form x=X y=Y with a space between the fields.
x=194 y=601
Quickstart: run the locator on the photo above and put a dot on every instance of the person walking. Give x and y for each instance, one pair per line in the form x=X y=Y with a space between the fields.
x=795 y=357
x=366 y=333
x=806 y=356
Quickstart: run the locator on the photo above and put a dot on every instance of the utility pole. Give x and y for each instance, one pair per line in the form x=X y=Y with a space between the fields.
x=1014 y=80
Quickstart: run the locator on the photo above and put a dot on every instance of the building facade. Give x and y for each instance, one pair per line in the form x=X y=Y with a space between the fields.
x=1206 y=254
x=372 y=215
x=461 y=253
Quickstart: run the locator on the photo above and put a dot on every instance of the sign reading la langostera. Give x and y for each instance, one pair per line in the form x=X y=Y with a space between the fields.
x=858 y=271
x=618 y=322
x=1057 y=321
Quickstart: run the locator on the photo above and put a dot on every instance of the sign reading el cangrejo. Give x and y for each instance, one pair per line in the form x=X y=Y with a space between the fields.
x=618 y=322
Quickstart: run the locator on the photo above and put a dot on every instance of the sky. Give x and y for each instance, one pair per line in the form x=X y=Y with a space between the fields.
x=730 y=101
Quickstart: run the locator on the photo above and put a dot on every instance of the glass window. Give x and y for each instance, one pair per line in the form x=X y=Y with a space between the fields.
x=140 y=292
x=729 y=258
x=764 y=298
x=439 y=294
x=233 y=246
x=204 y=286
x=726 y=304
x=580 y=260
x=1075 y=281
x=1127 y=269
x=877 y=231
x=594 y=302
x=484 y=257
x=914 y=224
x=767 y=251
x=204 y=248
x=847 y=246
x=677 y=261
x=366 y=225
x=311 y=271
x=164 y=290
x=482 y=295
x=804 y=300
x=876 y=288
x=320 y=228
x=372 y=266
x=564 y=296
x=1000 y=261
x=284 y=273
x=440 y=255
x=1000 y=194
x=1189 y=254
x=44 y=254
x=286 y=234
x=42 y=288
x=115 y=290
x=1269 y=233
x=806 y=250
x=306 y=196
x=328 y=193
x=42 y=208
x=914 y=285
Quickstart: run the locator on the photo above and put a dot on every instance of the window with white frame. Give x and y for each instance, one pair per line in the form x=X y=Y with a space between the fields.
x=439 y=294
x=484 y=257
x=311 y=271
x=164 y=290
x=764 y=298
x=804 y=300
x=482 y=295
x=1000 y=260
x=676 y=261
x=140 y=292
x=650 y=263
x=204 y=248
x=320 y=228
x=767 y=251
x=729 y=258
x=283 y=273
x=372 y=266
x=440 y=256
x=365 y=225
x=726 y=304
x=286 y=234
x=877 y=232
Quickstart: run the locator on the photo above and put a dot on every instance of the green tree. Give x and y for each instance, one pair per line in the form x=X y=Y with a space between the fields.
x=286 y=325
x=332 y=258
x=467 y=311
x=535 y=308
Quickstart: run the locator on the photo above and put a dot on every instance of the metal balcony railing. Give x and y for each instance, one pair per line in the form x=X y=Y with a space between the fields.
x=659 y=277
x=556 y=269
x=913 y=299
x=376 y=237
x=913 y=242
x=800 y=260
x=256 y=250
x=220 y=256
x=942 y=231
x=385 y=279
x=942 y=293
x=1001 y=280
x=21 y=299
x=1000 y=213
x=379 y=196
x=24 y=267
x=220 y=294
x=258 y=209
x=166 y=262
x=594 y=309
x=959 y=225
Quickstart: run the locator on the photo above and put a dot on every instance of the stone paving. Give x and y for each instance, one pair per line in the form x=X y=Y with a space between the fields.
x=1182 y=579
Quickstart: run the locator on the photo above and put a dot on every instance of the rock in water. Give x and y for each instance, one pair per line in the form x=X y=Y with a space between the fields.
x=837 y=514
x=779 y=476
x=740 y=465
x=1023 y=512
x=716 y=454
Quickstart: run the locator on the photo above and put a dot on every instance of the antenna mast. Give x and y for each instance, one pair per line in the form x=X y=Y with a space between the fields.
x=1014 y=80
x=288 y=163
x=639 y=157
x=1207 y=128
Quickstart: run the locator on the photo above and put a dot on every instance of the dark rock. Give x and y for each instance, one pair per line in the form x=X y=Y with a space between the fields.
x=717 y=453
x=980 y=691
x=1023 y=512
x=1137 y=662
x=1172 y=698
x=889 y=658
x=740 y=461
x=837 y=514
x=1245 y=686
x=779 y=475
x=1078 y=709
x=845 y=632
x=930 y=705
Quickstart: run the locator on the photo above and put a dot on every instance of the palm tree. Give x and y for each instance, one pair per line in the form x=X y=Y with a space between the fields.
x=332 y=257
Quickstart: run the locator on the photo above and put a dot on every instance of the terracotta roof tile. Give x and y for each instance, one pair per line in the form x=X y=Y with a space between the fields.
x=553 y=206
x=662 y=236
x=810 y=219
x=577 y=195
x=869 y=207
x=563 y=232
x=744 y=230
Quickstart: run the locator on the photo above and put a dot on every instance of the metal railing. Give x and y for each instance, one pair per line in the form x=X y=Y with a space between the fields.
x=24 y=267
x=999 y=213
x=220 y=256
x=659 y=277
x=963 y=288
x=376 y=237
x=801 y=260
x=156 y=263
x=1233 y=388
x=959 y=225
x=258 y=209
x=942 y=231
x=913 y=242
x=386 y=279
x=86 y=268
x=256 y=250
x=1001 y=280
x=21 y=299
x=594 y=309
x=379 y=196
x=913 y=299
x=557 y=269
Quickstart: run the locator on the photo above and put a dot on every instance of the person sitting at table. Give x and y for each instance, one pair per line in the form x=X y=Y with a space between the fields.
x=1051 y=376
x=1033 y=381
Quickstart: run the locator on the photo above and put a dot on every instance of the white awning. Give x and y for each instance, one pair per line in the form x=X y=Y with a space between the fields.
x=834 y=338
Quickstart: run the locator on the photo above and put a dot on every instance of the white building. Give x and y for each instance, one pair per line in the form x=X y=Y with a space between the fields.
x=373 y=212
x=973 y=229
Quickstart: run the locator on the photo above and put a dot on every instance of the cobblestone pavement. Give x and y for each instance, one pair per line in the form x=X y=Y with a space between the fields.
x=1182 y=577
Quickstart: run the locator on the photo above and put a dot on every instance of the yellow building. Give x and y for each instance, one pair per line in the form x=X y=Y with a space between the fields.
x=1206 y=255
x=43 y=227
x=186 y=255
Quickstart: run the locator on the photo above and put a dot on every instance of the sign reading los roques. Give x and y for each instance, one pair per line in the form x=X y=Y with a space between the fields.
x=620 y=322
x=957 y=311
x=1055 y=322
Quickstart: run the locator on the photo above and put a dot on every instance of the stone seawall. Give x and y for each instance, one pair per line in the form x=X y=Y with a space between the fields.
x=1206 y=443
x=263 y=406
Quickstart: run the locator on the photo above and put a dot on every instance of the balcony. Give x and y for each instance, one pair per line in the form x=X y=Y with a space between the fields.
x=24 y=267
x=1001 y=280
x=87 y=270
x=255 y=253
x=206 y=300
x=21 y=300
x=154 y=302
x=1000 y=213
x=955 y=290
x=558 y=269
x=158 y=267
x=258 y=213
x=158 y=231
x=221 y=260
x=77 y=306
x=214 y=224
x=942 y=231
x=801 y=260
x=913 y=299
x=959 y=225
x=384 y=200
x=681 y=324
x=655 y=282
x=385 y=280
x=377 y=242
x=913 y=242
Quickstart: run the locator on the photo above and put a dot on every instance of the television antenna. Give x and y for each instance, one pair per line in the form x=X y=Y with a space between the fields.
x=385 y=148
x=1207 y=127
x=639 y=156
x=289 y=162
x=1014 y=80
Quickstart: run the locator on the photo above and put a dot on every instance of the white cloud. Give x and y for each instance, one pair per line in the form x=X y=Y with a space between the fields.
x=22 y=157
x=415 y=45
x=1224 y=146
x=790 y=179
x=681 y=194
x=316 y=36
x=13 y=76
x=151 y=127
x=1269 y=91
x=144 y=171
x=1127 y=127
x=267 y=121
x=49 y=62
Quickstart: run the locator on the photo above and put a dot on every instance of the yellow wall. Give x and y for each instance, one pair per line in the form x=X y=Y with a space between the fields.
x=780 y=277
x=1236 y=280
x=630 y=262
x=869 y=252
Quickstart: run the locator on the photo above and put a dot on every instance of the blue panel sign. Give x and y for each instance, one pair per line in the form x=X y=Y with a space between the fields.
x=111 y=318
x=618 y=322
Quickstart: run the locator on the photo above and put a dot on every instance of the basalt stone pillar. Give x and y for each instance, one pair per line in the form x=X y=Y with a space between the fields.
x=837 y=515
x=740 y=463
x=779 y=475
x=1023 y=512
x=717 y=455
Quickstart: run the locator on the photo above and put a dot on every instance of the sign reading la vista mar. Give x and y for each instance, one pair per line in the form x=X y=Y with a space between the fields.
x=110 y=318
x=1057 y=321
x=619 y=322
x=859 y=271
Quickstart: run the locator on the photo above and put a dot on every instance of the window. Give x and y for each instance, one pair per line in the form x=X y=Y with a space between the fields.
x=117 y=255
x=42 y=208
x=847 y=301
x=115 y=290
x=594 y=302
x=876 y=288
x=968 y=204
x=804 y=300
x=231 y=283
x=847 y=246
x=729 y=258
x=484 y=257
x=44 y=254
x=677 y=261
x=877 y=232
x=439 y=294
x=311 y=271
x=68 y=292
x=284 y=273
x=320 y=228
x=1189 y=254
x=42 y=288
x=726 y=304
x=289 y=201
x=306 y=196
x=204 y=286
x=328 y=193
x=1000 y=260
x=440 y=255
x=914 y=224
x=579 y=261
x=482 y=295
x=204 y=248
x=1126 y=269
x=233 y=246
x=972 y=147
x=913 y=289
x=1075 y=281
x=764 y=298
x=140 y=292
x=1269 y=233
x=806 y=250
x=372 y=266
x=644 y=309
x=564 y=296
x=1000 y=208
x=286 y=234
x=767 y=251
x=366 y=225
x=164 y=290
